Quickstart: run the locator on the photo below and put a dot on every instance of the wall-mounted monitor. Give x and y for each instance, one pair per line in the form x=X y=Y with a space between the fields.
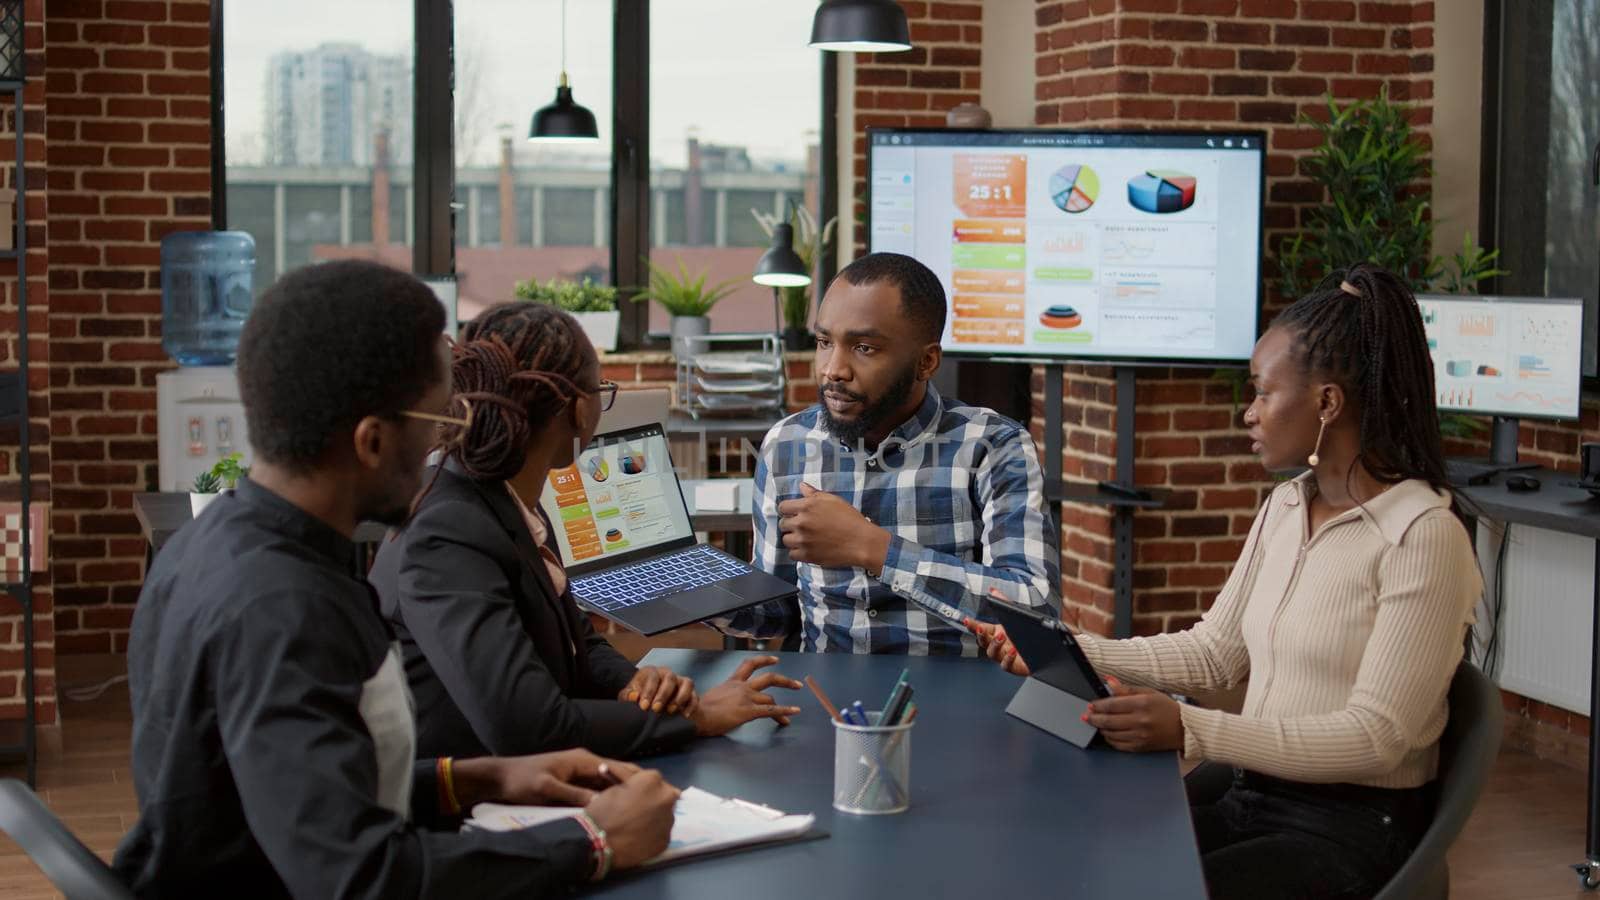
x=1517 y=357
x=1140 y=247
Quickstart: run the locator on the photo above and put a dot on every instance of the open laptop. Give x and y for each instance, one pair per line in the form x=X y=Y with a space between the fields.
x=625 y=538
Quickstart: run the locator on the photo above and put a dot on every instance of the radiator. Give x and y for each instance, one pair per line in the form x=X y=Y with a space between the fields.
x=1546 y=622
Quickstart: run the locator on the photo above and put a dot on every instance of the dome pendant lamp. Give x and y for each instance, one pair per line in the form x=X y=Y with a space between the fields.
x=563 y=121
x=860 y=26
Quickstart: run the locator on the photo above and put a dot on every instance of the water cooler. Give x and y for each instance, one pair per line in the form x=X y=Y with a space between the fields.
x=206 y=295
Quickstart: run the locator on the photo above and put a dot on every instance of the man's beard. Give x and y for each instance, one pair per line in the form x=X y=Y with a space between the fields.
x=872 y=416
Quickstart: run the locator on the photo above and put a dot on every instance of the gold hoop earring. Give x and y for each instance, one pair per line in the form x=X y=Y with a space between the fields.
x=1313 y=459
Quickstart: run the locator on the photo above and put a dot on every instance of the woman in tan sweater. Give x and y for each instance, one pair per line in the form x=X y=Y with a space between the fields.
x=1346 y=610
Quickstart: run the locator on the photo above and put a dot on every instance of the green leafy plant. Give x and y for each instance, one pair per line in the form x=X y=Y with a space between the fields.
x=229 y=471
x=1373 y=170
x=207 y=483
x=809 y=243
x=572 y=296
x=681 y=293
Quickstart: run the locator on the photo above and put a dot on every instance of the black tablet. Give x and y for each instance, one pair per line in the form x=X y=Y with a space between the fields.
x=1049 y=649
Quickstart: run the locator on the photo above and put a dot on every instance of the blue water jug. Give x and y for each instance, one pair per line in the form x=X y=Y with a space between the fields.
x=207 y=288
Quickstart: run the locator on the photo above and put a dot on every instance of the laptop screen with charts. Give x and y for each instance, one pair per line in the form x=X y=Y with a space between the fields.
x=628 y=544
x=618 y=501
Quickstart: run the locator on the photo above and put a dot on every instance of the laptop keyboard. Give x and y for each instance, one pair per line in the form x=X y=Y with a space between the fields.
x=656 y=578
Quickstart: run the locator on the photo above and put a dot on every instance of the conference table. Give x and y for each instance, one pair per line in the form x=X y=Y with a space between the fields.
x=999 y=809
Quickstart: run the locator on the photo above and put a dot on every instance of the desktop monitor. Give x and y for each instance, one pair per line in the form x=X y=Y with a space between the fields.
x=1097 y=245
x=1510 y=357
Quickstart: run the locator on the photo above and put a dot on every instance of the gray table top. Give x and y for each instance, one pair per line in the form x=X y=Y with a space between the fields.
x=1556 y=506
x=999 y=809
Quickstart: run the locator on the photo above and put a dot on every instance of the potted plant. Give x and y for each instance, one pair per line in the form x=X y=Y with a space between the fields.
x=1374 y=172
x=593 y=305
x=209 y=485
x=809 y=242
x=686 y=297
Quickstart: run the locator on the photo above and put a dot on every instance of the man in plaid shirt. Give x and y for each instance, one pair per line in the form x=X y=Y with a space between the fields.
x=887 y=502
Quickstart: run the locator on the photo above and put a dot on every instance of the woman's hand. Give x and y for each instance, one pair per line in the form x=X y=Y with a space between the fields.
x=993 y=643
x=1137 y=719
x=662 y=690
x=742 y=698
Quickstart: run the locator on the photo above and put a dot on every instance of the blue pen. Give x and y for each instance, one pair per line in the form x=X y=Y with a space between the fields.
x=860 y=714
x=848 y=715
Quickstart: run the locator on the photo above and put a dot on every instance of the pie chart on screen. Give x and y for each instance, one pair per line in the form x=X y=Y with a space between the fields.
x=1162 y=191
x=1073 y=189
x=598 y=470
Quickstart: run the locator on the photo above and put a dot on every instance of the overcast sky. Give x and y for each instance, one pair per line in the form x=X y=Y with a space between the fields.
x=737 y=71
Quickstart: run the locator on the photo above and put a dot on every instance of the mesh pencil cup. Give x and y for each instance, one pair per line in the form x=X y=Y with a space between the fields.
x=872 y=767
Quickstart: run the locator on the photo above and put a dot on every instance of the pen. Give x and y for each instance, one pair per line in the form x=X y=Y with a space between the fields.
x=609 y=776
x=860 y=712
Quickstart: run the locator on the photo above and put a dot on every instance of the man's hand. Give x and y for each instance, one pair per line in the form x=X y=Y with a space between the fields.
x=740 y=699
x=636 y=817
x=822 y=529
x=1137 y=719
x=567 y=777
x=660 y=689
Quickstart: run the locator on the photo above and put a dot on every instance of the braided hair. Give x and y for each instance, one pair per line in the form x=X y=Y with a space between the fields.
x=518 y=365
x=1362 y=328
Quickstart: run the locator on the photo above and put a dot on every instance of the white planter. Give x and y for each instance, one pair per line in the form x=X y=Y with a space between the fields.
x=601 y=327
x=198 y=502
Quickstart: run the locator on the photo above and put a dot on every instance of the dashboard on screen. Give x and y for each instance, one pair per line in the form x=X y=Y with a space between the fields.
x=1083 y=245
x=1520 y=357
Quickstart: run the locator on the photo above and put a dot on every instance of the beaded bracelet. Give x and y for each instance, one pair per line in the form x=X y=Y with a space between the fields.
x=447 y=786
x=599 y=844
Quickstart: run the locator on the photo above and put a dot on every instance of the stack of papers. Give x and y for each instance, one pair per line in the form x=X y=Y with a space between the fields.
x=705 y=823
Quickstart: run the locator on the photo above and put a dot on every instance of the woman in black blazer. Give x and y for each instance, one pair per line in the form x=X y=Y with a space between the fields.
x=499 y=658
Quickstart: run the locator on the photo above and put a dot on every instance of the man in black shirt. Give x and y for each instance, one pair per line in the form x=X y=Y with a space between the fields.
x=273 y=745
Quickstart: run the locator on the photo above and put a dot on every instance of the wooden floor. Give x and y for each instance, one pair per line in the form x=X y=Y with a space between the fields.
x=1527 y=829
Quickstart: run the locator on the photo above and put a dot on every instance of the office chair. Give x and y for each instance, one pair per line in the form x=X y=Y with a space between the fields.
x=1467 y=751
x=70 y=866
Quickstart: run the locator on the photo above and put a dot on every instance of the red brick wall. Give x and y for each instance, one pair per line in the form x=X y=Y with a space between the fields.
x=1201 y=64
x=11 y=706
x=916 y=87
x=129 y=139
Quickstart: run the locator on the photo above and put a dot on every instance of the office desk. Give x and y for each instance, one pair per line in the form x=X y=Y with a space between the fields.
x=999 y=809
x=1557 y=507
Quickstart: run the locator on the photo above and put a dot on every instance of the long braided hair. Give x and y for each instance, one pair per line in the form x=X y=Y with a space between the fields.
x=1362 y=328
x=517 y=365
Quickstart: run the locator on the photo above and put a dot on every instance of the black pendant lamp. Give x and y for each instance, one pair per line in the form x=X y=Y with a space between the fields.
x=860 y=26
x=563 y=121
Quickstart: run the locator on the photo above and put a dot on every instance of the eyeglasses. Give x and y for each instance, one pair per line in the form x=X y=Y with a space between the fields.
x=464 y=422
x=607 y=392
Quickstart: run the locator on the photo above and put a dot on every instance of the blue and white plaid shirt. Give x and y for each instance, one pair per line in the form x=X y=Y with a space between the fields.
x=961 y=494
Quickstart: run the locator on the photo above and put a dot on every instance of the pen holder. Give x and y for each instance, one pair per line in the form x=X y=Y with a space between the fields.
x=871 y=767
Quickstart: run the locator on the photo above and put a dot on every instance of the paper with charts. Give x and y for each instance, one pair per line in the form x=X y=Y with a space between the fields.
x=705 y=823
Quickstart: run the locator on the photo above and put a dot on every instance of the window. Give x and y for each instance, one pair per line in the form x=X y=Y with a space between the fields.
x=321 y=117
x=319 y=125
x=1543 y=65
x=733 y=128
x=508 y=61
